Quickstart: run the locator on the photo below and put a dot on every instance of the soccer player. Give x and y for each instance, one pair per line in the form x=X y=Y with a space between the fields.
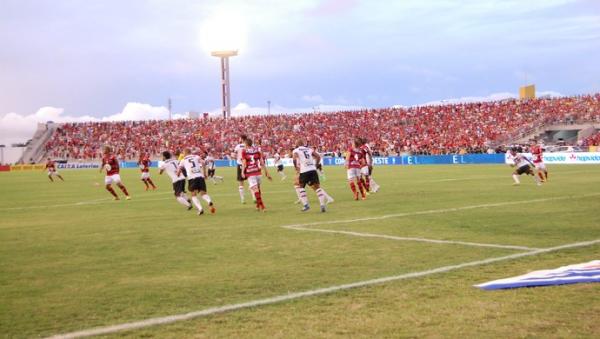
x=171 y=166
x=196 y=170
x=111 y=165
x=367 y=170
x=210 y=165
x=538 y=161
x=355 y=160
x=51 y=167
x=522 y=165
x=144 y=163
x=239 y=148
x=279 y=165
x=305 y=160
x=253 y=164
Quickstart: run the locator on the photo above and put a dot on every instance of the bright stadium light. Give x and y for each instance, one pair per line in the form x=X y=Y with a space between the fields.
x=223 y=36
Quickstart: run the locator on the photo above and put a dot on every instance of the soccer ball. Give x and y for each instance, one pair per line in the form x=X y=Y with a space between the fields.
x=107 y=167
x=141 y=166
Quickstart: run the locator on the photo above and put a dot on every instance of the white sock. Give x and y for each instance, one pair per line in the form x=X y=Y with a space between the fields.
x=373 y=184
x=281 y=174
x=516 y=179
x=322 y=196
x=241 y=189
x=206 y=198
x=218 y=178
x=183 y=201
x=536 y=179
x=197 y=203
x=302 y=195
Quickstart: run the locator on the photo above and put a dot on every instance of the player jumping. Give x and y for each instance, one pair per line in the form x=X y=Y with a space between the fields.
x=305 y=160
x=252 y=165
x=144 y=163
x=111 y=165
x=51 y=167
x=196 y=171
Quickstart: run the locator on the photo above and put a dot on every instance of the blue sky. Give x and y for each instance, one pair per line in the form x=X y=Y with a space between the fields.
x=93 y=58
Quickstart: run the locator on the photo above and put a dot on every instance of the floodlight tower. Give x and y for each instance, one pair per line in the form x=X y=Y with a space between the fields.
x=224 y=56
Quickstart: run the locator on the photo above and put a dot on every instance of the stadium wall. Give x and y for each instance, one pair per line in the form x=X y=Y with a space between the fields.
x=405 y=160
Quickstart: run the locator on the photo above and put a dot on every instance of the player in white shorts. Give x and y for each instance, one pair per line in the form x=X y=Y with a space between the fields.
x=522 y=165
x=279 y=165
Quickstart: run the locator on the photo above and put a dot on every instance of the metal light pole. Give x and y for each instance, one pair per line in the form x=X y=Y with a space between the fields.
x=2 y=154
x=269 y=107
x=224 y=56
x=170 y=106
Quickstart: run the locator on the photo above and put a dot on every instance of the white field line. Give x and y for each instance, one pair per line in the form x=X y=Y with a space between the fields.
x=443 y=210
x=434 y=241
x=133 y=200
x=304 y=294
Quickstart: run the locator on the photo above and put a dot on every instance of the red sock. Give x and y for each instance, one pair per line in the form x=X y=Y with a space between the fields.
x=361 y=187
x=365 y=182
x=259 y=202
x=353 y=187
x=151 y=183
x=112 y=191
x=122 y=187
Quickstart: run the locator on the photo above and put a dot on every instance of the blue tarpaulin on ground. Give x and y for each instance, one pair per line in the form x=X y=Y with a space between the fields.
x=580 y=273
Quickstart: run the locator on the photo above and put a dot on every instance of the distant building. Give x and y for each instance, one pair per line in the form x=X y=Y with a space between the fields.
x=527 y=92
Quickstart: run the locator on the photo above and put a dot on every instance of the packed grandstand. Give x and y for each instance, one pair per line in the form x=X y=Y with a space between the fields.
x=438 y=129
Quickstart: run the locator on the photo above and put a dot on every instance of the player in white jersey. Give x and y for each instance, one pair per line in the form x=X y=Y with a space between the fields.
x=522 y=165
x=171 y=166
x=237 y=153
x=196 y=171
x=211 y=168
x=279 y=164
x=305 y=161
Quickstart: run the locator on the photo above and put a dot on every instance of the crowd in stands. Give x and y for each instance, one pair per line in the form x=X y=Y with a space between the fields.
x=592 y=140
x=436 y=129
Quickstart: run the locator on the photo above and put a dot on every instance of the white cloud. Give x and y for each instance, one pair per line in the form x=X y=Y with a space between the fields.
x=491 y=97
x=312 y=98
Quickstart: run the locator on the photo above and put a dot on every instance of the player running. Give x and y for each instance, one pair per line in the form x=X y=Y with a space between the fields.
x=367 y=170
x=144 y=163
x=51 y=167
x=355 y=160
x=196 y=171
x=111 y=165
x=209 y=160
x=538 y=161
x=171 y=166
x=305 y=160
x=252 y=165
x=279 y=165
x=522 y=165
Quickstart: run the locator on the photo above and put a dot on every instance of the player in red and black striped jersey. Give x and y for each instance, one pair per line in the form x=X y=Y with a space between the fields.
x=367 y=170
x=144 y=163
x=355 y=160
x=51 y=167
x=253 y=164
x=110 y=164
x=538 y=161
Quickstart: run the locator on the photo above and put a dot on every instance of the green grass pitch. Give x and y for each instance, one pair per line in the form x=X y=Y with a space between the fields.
x=71 y=259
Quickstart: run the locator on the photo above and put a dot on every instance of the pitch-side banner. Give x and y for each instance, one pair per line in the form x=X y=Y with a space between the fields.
x=580 y=273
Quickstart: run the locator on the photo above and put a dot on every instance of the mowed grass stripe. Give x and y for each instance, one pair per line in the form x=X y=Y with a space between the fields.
x=281 y=298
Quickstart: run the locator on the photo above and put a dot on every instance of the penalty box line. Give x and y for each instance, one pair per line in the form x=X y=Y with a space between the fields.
x=292 y=296
x=307 y=227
